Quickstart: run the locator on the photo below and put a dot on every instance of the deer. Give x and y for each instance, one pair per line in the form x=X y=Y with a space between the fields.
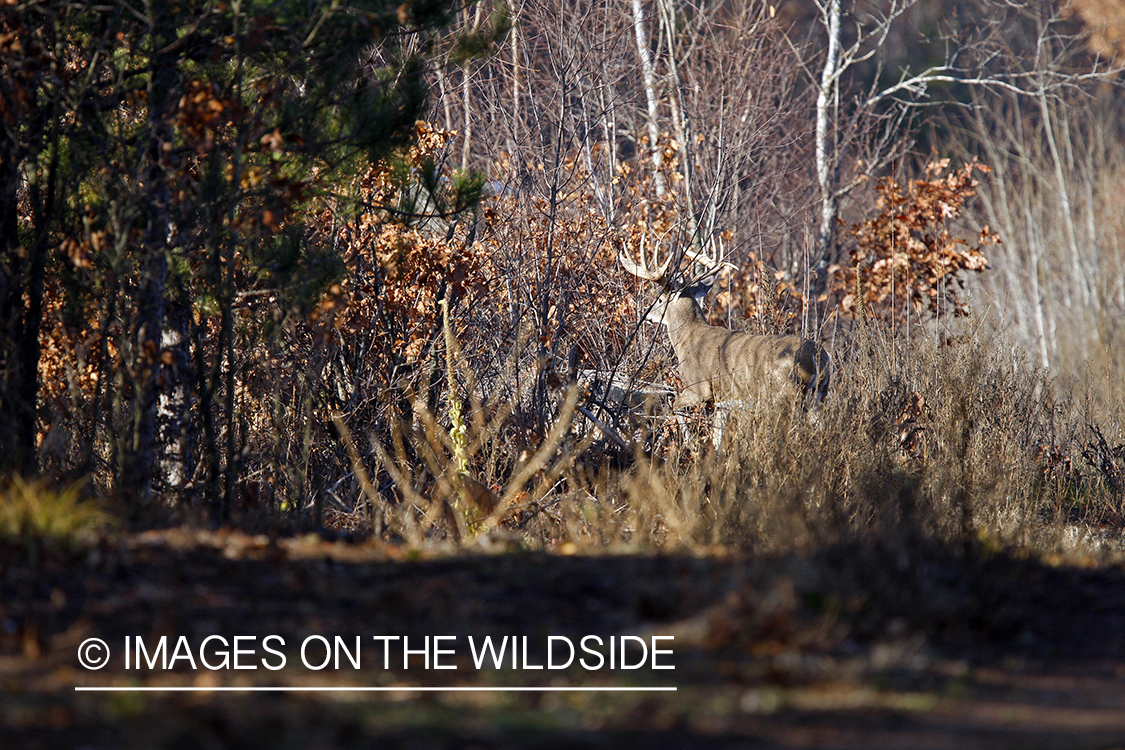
x=720 y=367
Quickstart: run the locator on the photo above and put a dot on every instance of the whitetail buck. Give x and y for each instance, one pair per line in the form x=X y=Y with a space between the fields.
x=722 y=367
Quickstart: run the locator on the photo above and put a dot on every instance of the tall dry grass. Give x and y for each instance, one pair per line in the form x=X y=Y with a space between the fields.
x=1057 y=282
x=918 y=444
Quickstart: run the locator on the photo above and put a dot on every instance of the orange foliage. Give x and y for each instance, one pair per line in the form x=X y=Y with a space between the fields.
x=398 y=271
x=399 y=268
x=905 y=257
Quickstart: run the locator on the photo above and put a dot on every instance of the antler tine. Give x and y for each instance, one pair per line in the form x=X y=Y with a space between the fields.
x=644 y=269
x=710 y=260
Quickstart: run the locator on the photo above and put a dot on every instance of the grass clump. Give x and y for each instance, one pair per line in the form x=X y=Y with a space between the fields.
x=33 y=513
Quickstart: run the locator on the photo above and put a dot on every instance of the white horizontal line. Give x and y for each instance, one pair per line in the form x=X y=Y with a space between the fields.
x=368 y=689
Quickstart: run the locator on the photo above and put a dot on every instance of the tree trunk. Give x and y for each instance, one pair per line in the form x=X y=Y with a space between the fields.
x=22 y=276
x=141 y=451
x=827 y=161
x=648 y=77
x=14 y=412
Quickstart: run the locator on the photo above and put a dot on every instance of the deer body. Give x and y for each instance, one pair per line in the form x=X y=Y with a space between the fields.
x=718 y=365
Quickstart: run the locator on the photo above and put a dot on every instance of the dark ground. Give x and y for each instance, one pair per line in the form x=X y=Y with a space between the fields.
x=853 y=647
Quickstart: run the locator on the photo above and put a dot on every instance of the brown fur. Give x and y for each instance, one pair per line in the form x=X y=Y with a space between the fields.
x=716 y=364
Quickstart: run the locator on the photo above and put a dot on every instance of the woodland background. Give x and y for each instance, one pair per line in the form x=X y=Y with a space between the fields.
x=312 y=321
x=296 y=265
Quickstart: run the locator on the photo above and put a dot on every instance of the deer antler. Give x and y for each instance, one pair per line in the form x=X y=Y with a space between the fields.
x=646 y=269
x=711 y=259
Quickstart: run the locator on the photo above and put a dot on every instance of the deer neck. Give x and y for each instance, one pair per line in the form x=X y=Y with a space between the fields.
x=681 y=317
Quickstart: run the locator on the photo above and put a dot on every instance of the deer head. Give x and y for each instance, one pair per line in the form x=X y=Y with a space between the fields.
x=680 y=296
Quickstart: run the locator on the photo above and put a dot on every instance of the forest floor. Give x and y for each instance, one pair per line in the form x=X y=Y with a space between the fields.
x=849 y=647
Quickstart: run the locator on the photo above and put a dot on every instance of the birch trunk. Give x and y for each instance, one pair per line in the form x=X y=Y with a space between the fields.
x=648 y=80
